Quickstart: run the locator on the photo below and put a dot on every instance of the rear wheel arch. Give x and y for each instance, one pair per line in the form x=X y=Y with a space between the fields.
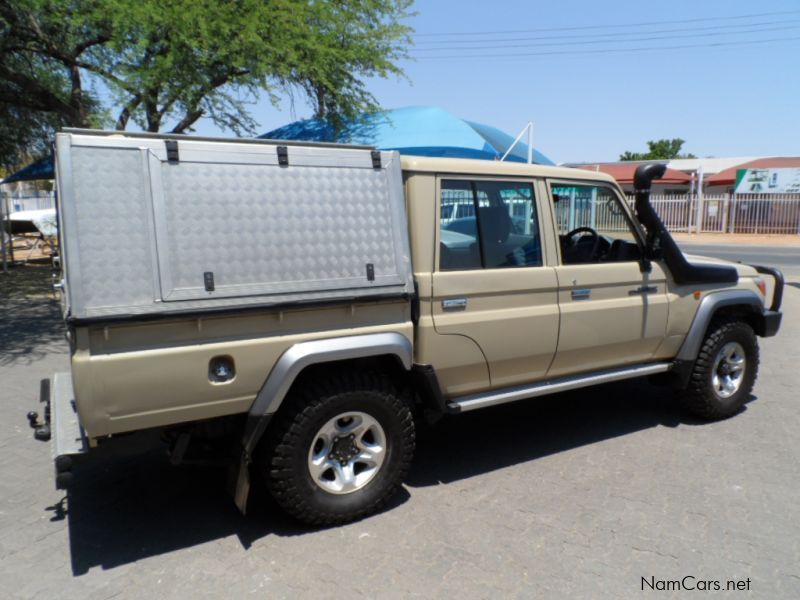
x=322 y=479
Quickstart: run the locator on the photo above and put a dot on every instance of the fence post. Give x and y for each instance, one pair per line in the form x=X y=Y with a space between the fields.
x=3 y=231
x=725 y=206
x=698 y=222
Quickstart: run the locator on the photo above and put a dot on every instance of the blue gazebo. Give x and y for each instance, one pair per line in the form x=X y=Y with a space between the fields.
x=415 y=130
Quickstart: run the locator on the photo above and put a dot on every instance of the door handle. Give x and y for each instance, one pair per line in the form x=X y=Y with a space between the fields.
x=581 y=294
x=645 y=289
x=454 y=304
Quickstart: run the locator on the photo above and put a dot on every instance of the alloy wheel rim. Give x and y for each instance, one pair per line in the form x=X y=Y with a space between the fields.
x=728 y=372
x=347 y=453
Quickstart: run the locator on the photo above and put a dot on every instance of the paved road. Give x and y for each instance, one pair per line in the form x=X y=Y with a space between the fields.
x=579 y=495
x=786 y=258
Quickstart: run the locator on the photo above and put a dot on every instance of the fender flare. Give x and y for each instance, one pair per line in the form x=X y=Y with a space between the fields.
x=298 y=357
x=283 y=375
x=705 y=312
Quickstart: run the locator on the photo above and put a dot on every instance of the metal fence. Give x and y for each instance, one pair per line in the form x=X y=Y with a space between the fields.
x=687 y=213
x=38 y=201
x=730 y=213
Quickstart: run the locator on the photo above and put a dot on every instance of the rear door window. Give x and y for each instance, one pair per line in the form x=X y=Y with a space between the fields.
x=488 y=225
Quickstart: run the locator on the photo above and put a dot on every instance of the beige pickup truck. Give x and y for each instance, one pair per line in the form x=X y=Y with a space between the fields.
x=310 y=301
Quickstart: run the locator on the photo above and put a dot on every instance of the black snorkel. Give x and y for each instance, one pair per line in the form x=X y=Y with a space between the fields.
x=660 y=242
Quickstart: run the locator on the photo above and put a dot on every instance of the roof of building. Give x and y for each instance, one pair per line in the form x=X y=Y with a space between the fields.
x=623 y=172
x=709 y=165
x=728 y=176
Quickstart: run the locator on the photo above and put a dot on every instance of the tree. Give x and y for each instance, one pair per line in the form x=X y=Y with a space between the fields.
x=659 y=150
x=24 y=136
x=354 y=39
x=164 y=64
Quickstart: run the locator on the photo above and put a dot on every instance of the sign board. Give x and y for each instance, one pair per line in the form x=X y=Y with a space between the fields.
x=767 y=181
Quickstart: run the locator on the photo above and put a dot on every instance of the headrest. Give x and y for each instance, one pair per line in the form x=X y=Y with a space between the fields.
x=495 y=224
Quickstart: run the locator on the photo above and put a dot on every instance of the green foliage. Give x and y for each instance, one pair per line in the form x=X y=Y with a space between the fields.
x=24 y=136
x=659 y=150
x=164 y=64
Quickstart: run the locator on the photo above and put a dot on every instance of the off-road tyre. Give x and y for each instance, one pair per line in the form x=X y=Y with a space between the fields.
x=700 y=396
x=283 y=459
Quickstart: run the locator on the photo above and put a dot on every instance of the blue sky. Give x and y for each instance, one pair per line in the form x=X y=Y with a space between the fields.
x=609 y=86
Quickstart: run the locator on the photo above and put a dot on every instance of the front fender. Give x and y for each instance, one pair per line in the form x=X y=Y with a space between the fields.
x=706 y=311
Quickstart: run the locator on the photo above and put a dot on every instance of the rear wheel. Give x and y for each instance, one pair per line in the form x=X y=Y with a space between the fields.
x=724 y=372
x=339 y=450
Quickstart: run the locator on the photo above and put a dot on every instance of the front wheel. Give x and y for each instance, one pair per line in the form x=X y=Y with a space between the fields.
x=724 y=372
x=339 y=449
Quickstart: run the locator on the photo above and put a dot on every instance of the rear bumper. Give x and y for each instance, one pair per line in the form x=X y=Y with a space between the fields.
x=68 y=439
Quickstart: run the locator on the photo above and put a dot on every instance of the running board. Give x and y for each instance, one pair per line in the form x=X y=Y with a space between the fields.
x=482 y=400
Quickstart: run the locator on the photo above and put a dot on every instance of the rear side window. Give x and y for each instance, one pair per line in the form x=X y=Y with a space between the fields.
x=488 y=225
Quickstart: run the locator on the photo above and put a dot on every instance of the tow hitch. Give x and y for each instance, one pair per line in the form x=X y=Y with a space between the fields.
x=60 y=423
x=41 y=428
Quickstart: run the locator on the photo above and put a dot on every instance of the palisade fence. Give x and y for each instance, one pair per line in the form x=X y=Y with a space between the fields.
x=30 y=201
x=686 y=213
x=729 y=213
x=690 y=213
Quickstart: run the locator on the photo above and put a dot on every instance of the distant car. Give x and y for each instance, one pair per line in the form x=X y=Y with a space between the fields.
x=456 y=240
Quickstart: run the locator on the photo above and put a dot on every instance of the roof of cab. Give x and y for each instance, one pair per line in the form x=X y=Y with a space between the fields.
x=467 y=166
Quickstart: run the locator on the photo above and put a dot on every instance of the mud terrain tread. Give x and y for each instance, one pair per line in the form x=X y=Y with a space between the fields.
x=698 y=397
x=302 y=413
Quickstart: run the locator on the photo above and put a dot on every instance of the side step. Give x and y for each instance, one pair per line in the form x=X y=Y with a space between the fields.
x=543 y=388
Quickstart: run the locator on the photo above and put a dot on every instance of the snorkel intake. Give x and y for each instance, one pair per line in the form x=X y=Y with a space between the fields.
x=660 y=242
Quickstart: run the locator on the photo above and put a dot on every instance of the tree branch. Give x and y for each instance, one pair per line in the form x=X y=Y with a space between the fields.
x=38 y=97
x=86 y=44
x=127 y=111
x=187 y=121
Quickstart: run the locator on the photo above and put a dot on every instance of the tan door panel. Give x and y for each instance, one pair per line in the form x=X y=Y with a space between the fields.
x=512 y=314
x=611 y=314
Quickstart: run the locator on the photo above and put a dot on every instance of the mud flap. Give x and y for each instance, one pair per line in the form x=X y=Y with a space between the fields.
x=240 y=477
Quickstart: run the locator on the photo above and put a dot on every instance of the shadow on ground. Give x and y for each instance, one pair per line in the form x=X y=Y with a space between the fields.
x=31 y=325
x=490 y=439
x=128 y=503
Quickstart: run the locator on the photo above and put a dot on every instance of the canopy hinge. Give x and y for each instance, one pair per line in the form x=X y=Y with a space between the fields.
x=283 y=156
x=172 y=151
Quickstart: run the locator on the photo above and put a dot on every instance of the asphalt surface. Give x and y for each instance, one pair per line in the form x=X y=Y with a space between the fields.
x=786 y=258
x=578 y=495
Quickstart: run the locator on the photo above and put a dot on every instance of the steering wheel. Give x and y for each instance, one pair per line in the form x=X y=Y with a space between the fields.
x=592 y=234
